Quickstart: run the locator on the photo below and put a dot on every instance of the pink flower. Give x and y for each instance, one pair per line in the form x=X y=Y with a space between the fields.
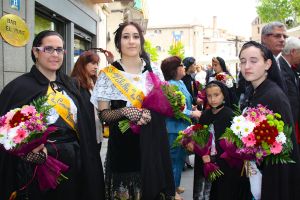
x=276 y=148
x=249 y=140
x=21 y=135
x=2 y=120
x=26 y=110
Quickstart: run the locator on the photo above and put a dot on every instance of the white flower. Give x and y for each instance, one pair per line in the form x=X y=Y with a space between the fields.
x=247 y=127
x=12 y=132
x=281 y=138
x=239 y=119
x=236 y=128
x=229 y=83
x=8 y=144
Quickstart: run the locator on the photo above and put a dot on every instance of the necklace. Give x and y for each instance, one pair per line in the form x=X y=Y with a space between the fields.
x=136 y=78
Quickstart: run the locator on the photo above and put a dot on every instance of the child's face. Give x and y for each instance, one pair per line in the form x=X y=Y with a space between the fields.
x=215 y=96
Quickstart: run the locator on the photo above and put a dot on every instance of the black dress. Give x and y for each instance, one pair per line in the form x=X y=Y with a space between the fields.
x=138 y=166
x=230 y=186
x=279 y=181
x=85 y=173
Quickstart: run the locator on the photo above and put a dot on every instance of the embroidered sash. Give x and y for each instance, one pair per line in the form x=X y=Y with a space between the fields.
x=134 y=95
x=62 y=106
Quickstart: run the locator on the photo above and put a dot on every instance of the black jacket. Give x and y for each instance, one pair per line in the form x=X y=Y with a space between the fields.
x=292 y=84
x=22 y=91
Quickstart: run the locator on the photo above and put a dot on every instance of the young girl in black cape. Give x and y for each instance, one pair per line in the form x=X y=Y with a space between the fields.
x=279 y=181
x=74 y=143
x=230 y=186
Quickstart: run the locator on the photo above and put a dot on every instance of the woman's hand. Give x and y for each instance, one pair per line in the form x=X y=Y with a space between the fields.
x=146 y=117
x=109 y=56
x=37 y=156
x=206 y=159
x=190 y=147
x=199 y=101
x=196 y=114
x=137 y=115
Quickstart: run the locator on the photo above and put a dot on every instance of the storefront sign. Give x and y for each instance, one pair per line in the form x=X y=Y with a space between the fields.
x=15 y=4
x=14 y=30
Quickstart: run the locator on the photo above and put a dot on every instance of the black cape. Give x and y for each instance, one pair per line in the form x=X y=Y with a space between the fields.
x=281 y=181
x=147 y=152
x=22 y=91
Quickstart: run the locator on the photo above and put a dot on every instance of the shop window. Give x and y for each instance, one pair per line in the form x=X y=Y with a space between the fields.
x=82 y=42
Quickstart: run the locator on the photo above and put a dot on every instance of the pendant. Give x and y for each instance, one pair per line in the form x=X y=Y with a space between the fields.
x=136 y=78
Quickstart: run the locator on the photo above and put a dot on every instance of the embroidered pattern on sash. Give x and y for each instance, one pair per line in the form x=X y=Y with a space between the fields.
x=134 y=95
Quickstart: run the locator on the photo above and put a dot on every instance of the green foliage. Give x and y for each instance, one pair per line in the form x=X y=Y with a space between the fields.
x=124 y=125
x=214 y=175
x=175 y=98
x=279 y=10
x=177 y=50
x=201 y=137
x=237 y=111
x=152 y=51
x=231 y=137
x=41 y=106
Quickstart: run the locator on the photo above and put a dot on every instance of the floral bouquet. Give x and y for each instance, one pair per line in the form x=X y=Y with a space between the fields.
x=201 y=92
x=199 y=139
x=257 y=135
x=171 y=102
x=225 y=78
x=22 y=130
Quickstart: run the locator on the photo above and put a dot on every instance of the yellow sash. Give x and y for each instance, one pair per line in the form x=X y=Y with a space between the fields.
x=62 y=106
x=134 y=95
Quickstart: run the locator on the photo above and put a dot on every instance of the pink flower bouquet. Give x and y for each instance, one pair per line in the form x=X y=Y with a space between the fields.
x=163 y=98
x=257 y=134
x=22 y=130
x=199 y=139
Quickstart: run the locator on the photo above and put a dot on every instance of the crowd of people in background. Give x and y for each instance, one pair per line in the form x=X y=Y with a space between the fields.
x=146 y=165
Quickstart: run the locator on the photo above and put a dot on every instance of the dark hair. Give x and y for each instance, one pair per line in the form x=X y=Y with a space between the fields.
x=169 y=67
x=273 y=71
x=222 y=63
x=79 y=70
x=224 y=90
x=38 y=40
x=118 y=37
x=188 y=61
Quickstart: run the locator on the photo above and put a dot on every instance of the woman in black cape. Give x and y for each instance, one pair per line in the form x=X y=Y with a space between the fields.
x=74 y=146
x=279 y=181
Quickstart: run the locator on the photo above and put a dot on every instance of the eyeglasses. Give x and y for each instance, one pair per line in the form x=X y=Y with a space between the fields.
x=50 y=50
x=278 y=35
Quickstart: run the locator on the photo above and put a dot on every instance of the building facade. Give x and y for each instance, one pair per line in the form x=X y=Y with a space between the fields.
x=125 y=10
x=82 y=23
x=200 y=42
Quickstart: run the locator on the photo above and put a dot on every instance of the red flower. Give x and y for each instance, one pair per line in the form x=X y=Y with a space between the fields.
x=197 y=127
x=220 y=77
x=182 y=107
x=265 y=133
x=17 y=119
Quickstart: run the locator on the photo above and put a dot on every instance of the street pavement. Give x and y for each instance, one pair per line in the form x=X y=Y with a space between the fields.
x=186 y=178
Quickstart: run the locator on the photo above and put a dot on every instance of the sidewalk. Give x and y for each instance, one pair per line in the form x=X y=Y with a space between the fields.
x=186 y=178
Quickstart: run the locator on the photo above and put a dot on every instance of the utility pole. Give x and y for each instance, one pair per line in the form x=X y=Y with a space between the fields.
x=236 y=41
